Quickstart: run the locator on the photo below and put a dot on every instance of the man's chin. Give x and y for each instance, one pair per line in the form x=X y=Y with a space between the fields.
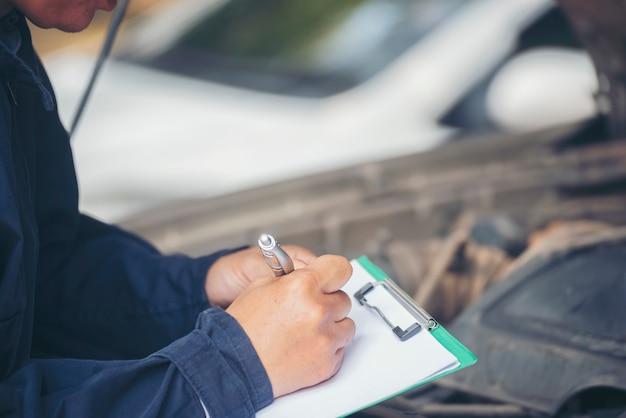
x=66 y=23
x=74 y=27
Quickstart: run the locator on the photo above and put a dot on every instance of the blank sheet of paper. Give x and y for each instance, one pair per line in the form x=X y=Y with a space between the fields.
x=376 y=365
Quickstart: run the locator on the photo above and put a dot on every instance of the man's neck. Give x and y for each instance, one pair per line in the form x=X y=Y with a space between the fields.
x=5 y=7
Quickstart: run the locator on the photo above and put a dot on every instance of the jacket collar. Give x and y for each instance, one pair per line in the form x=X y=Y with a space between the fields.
x=18 y=62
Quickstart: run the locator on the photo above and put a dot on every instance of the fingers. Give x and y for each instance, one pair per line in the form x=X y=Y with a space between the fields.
x=338 y=360
x=301 y=256
x=331 y=271
x=339 y=305
x=344 y=332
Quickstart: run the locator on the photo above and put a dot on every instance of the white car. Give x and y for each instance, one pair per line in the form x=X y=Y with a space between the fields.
x=211 y=97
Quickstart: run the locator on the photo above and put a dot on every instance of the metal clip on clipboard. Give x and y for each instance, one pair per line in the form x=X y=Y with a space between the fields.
x=422 y=318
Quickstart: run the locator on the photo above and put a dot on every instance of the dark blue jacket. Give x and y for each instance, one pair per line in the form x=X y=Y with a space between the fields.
x=94 y=322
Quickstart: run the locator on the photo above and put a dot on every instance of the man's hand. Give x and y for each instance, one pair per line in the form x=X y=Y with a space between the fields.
x=231 y=274
x=297 y=323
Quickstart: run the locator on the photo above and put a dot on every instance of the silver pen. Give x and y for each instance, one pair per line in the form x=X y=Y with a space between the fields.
x=275 y=257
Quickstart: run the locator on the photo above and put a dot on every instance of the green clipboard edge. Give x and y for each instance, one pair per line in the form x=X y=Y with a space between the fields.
x=465 y=357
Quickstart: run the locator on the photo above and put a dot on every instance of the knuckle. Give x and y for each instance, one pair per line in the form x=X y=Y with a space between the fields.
x=352 y=324
x=351 y=328
x=341 y=304
x=330 y=369
x=324 y=371
x=308 y=276
x=345 y=299
x=327 y=355
x=328 y=344
x=326 y=367
x=345 y=332
x=334 y=365
x=304 y=282
x=325 y=344
x=317 y=313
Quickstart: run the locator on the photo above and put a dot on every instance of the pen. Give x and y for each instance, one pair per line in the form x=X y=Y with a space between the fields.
x=275 y=257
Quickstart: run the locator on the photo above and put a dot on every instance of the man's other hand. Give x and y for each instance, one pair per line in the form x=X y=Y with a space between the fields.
x=297 y=323
x=231 y=274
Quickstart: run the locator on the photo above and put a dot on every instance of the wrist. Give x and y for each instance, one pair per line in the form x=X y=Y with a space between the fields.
x=245 y=358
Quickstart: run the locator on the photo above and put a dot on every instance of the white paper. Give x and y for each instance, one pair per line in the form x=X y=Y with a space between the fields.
x=376 y=364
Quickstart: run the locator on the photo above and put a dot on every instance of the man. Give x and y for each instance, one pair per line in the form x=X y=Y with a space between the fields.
x=95 y=323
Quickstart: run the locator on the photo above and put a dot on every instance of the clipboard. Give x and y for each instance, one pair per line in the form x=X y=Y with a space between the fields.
x=387 y=356
x=465 y=356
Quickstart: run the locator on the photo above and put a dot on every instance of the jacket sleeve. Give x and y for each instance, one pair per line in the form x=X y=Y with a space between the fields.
x=102 y=293
x=214 y=366
x=111 y=295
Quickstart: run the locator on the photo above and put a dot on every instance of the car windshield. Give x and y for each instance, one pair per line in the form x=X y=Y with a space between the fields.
x=298 y=47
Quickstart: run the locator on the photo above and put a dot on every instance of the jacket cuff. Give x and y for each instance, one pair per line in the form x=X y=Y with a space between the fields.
x=201 y=265
x=221 y=365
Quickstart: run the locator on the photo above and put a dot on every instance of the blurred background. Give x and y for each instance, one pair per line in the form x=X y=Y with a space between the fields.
x=471 y=148
x=209 y=97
